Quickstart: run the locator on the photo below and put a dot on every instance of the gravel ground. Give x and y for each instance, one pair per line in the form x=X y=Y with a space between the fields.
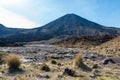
x=41 y=53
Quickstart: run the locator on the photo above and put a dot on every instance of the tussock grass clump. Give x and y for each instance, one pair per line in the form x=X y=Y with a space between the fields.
x=78 y=63
x=45 y=67
x=13 y=61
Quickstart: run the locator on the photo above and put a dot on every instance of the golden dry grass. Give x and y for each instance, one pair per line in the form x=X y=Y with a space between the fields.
x=77 y=60
x=109 y=47
x=13 y=61
x=78 y=63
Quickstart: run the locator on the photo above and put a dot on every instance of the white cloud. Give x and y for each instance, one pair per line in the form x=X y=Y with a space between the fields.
x=16 y=3
x=11 y=19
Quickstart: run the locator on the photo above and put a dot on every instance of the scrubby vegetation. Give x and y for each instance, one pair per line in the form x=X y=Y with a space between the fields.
x=13 y=61
x=63 y=66
x=78 y=63
x=84 y=42
x=110 y=47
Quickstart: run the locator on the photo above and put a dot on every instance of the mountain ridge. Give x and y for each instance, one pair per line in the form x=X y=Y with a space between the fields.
x=5 y=31
x=73 y=25
x=69 y=25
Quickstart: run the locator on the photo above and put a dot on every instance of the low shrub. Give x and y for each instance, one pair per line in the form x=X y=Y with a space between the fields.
x=78 y=63
x=13 y=61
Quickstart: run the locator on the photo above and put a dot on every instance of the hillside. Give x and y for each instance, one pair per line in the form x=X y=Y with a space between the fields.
x=84 y=42
x=110 y=47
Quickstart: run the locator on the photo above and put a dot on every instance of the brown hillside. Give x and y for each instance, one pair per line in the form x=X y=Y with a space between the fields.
x=110 y=47
x=85 y=42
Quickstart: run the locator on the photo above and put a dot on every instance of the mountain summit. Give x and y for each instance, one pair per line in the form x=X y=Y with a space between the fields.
x=74 y=25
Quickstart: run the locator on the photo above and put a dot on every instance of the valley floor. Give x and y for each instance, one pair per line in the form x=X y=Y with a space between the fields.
x=49 y=62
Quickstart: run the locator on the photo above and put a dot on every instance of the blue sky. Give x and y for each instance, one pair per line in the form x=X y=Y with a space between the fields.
x=35 y=13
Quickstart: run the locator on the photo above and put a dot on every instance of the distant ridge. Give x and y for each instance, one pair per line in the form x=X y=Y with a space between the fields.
x=5 y=32
x=69 y=25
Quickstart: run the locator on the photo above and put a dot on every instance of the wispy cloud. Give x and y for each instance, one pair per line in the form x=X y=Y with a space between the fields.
x=43 y=11
x=14 y=3
x=11 y=19
x=21 y=12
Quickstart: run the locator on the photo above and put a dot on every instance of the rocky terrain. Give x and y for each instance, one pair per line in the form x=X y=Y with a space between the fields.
x=59 y=62
x=68 y=48
x=40 y=53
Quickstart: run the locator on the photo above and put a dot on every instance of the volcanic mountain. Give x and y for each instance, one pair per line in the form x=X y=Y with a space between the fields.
x=70 y=25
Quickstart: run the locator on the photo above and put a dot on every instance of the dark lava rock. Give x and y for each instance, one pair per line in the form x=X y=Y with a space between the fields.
x=45 y=67
x=93 y=56
x=112 y=60
x=69 y=72
x=107 y=61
